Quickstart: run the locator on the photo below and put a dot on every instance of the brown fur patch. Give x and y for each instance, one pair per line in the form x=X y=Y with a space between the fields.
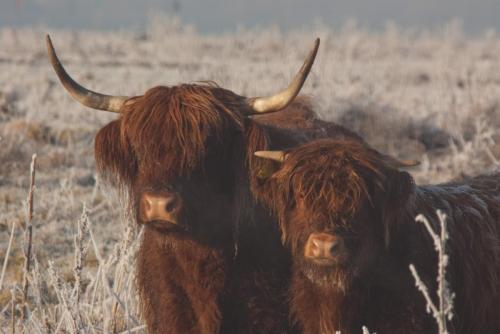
x=332 y=183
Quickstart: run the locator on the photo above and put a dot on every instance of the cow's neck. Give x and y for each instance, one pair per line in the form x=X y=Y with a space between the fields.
x=181 y=282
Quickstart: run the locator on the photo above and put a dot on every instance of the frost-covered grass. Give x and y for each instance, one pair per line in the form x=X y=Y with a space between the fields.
x=427 y=95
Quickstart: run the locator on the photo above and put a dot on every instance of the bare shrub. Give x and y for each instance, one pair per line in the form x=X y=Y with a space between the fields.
x=443 y=311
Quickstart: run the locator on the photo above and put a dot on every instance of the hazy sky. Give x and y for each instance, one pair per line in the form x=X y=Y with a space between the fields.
x=225 y=15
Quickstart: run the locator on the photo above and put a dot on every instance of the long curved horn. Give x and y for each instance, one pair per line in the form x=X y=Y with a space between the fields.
x=284 y=98
x=278 y=156
x=81 y=94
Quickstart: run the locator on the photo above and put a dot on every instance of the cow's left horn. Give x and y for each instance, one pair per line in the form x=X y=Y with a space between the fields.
x=284 y=98
x=278 y=156
x=81 y=94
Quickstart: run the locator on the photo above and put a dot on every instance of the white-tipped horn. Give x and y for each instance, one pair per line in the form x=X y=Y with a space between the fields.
x=78 y=92
x=278 y=156
x=284 y=98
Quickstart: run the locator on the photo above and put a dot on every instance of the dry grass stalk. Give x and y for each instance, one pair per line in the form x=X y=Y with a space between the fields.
x=7 y=253
x=13 y=311
x=80 y=251
x=68 y=317
x=444 y=310
x=365 y=330
x=28 y=238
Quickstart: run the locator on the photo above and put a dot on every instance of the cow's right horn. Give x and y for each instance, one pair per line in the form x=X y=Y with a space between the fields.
x=282 y=99
x=81 y=94
x=278 y=156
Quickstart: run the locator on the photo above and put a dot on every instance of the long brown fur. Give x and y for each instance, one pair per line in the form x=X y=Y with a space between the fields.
x=347 y=188
x=224 y=270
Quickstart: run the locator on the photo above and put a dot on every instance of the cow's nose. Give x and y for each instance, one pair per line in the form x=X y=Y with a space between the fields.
x=164 y=206
x=324 y=246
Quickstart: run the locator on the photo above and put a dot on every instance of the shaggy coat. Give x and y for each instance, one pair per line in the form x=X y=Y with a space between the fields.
x=346 y=189
x=223 y=269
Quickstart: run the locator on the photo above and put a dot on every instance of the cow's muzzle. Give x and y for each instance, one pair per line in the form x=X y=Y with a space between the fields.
x=160 y=206
x=325 y=249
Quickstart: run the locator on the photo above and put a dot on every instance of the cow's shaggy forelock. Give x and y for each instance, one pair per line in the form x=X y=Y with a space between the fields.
x=167 y=129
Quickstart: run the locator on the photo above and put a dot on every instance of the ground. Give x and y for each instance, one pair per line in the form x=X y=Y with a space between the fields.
x=433 y=96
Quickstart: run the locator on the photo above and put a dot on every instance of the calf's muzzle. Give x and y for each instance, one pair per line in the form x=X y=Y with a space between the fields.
x=325 y=248
x=160 y=206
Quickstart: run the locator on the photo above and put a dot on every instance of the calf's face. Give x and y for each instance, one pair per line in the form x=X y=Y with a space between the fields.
x=333 y=251
x=331 y=198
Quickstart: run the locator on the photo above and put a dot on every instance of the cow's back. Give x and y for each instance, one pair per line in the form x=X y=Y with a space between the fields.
x=472 y=207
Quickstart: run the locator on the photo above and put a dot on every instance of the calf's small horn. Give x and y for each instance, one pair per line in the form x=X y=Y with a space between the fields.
x=406 y=163
x=78 y=92
x=278 y=156
x=284 y=98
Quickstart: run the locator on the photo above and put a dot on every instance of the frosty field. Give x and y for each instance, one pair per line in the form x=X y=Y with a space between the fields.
x=433 y=96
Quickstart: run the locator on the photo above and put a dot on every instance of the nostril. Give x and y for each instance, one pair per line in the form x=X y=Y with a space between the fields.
x=171 y=205
x=334 y=247
x=146 y=204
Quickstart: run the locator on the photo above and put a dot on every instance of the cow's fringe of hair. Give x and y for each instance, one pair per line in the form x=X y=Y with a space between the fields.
x=163 y=127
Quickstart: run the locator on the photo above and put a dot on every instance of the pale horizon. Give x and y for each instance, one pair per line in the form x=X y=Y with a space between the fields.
x=215 y=16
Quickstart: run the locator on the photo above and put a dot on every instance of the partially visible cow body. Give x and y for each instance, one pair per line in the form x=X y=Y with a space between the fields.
x=187 y=287
x=348 y=216
x=211 y=260
x=302 y=123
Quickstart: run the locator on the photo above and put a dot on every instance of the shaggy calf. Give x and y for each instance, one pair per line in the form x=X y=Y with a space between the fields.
x=211 y=260
x=348 y=216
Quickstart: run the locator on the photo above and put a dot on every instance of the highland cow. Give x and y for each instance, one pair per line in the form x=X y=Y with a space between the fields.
x=211 y=260
x=347 y=214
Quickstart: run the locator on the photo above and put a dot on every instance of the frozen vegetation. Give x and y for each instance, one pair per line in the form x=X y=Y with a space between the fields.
x=433 y=96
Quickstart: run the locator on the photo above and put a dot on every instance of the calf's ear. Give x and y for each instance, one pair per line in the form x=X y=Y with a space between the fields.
x=400 y=187
x=398 y=190
x=267 y=169
x=272 y=161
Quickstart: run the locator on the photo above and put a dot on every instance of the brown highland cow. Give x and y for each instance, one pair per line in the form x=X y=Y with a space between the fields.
x=211 y=260
x=348 y=216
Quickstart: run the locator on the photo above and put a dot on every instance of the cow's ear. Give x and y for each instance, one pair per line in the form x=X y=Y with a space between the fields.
x=114 y=155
